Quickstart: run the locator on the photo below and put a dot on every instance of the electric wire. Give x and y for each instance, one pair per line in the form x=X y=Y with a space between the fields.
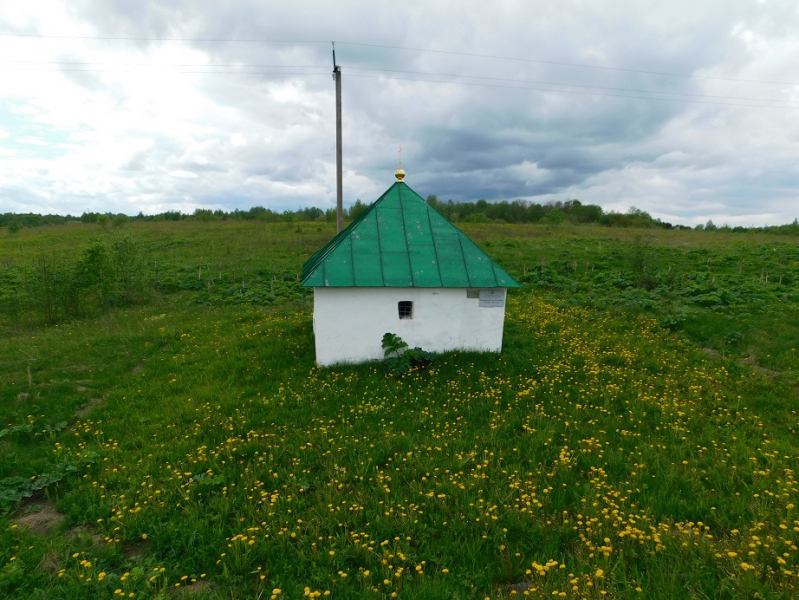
x=152 y=64
x=180 y=72
x=382 y=70
x=158 y=39
x=564 y=64
x=599 y=87
x=577 y=92
x=248 y=69
x=520 y=84
x=391 y=47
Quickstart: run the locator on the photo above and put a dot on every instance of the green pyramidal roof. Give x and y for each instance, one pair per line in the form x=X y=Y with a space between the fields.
x=401 y=241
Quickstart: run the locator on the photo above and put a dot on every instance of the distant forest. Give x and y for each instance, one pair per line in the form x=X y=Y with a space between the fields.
x=482 y=211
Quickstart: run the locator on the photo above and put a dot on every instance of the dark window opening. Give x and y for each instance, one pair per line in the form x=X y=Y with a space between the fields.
x=405 y=308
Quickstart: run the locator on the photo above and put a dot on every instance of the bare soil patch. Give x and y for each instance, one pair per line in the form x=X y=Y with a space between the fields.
x=41 y=521
x=136 y=549
x=138 y=368
x=195 y=588
x=49 y=563
x=760 y=369
x=88 y=407
x=79 y=368
x=88 y=531
x=748 y=361
x=519 y=588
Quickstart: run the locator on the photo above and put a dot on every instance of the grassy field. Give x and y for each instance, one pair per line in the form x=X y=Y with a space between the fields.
x=171 y=437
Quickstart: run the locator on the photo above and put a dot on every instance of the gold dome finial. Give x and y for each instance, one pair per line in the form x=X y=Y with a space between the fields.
x=399 y=173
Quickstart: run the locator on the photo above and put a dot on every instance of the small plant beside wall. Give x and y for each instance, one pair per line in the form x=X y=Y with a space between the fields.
x=400 y=359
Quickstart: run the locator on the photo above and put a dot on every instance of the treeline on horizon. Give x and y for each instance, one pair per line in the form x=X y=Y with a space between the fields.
x=481 y=211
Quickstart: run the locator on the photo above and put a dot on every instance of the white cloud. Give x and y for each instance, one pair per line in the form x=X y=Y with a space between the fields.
x=138 y=125
x=33 y=141
x=184 y=174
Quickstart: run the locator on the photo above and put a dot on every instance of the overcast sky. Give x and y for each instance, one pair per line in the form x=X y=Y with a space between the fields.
x=686 y=109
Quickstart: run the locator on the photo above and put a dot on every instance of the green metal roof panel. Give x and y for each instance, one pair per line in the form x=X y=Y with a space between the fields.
x=448 y=249
x=401 y=241
x=310 y=265
x=339 y=266
x=392 y=236
x=424 y=265
x=368 y=269
x=481 y=273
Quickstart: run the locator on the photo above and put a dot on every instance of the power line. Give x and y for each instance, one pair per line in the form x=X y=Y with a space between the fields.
x=152 y=64
x=565 y=64
x=598 y=87
x=574 y=92
x=487 y=85
x=402 y=48
x=246 y=71
x=158 y=39
x=180 y=72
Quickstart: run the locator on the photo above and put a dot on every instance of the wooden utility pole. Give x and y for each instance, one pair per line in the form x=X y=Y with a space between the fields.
x=339 y=172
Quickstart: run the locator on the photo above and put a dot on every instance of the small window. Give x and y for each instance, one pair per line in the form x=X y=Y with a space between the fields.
x=472 y=293
x=405 y=308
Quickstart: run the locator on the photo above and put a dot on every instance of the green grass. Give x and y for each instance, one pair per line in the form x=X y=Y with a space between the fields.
x=600 y=452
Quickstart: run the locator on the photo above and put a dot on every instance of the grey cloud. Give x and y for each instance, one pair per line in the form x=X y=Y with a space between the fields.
x=470 y=141
x=137 y=163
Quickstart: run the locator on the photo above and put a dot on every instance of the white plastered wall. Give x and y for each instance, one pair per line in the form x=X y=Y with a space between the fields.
x=349 y=323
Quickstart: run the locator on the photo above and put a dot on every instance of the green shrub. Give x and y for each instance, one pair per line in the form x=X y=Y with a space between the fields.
x=400 y=359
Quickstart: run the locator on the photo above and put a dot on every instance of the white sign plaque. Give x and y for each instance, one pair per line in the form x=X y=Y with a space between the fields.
x=492 y=298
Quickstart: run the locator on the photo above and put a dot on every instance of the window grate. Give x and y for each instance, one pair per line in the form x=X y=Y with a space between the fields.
x=405 y=308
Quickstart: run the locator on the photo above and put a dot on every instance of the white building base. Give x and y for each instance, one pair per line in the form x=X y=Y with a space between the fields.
x=349 y=323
